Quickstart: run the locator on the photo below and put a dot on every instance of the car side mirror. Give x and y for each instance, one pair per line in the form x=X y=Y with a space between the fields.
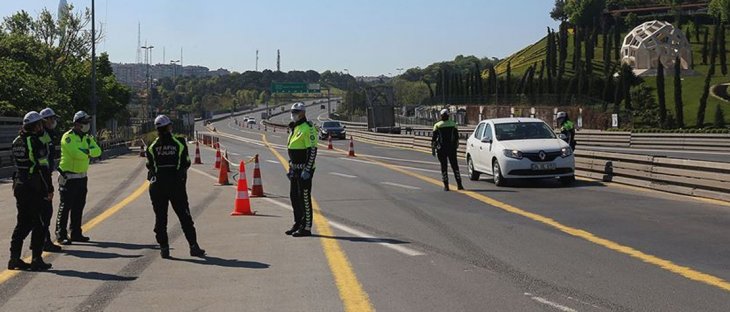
x=487 y=140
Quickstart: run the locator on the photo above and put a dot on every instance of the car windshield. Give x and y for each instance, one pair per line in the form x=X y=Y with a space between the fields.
x=331 y=124
x=523 y=131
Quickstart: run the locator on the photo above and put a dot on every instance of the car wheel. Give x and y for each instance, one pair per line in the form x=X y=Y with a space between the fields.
x=567 y=181
x=499 y=180
x=473 y=174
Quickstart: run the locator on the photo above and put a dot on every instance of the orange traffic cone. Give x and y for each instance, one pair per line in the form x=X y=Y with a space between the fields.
x=329 y=143
x=257 y=190
x=223 y=173
x=242 y=205
x=197 y=154
x=225 y=159
x=352 y=148
x=217 y=159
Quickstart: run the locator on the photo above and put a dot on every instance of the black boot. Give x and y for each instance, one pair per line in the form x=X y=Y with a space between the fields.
x=446 y=187
x=80 y=238
x=302 y=232
x=49 y=246
x=18 y=264
x=165 y=252
x=460 y=187
x=293 y=229
x=38 y=264
x=196 y=251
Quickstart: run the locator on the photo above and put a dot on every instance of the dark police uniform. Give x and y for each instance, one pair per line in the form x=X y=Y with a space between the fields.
x=31 y=186
x=168 y=161
x=302 y=149
x=50 y=139
x=444 y=144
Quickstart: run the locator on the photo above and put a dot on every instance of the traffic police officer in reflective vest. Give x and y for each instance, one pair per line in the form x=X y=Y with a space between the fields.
x=77 y=148
x=32 y=189
x=567 y=128
x=50 y=139
x=444 y=144
x=168 y=162
x=302 y=148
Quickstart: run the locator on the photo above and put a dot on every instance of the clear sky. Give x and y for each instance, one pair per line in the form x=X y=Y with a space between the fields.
x=367 y=37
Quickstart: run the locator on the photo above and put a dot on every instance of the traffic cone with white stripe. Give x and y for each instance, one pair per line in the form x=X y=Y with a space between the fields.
x=225 y=159
x=351 y=153
x=329 y=143
x=197 y=154
x=257 y=190
x=217 y=159
x=223 y=173
x=242 y=206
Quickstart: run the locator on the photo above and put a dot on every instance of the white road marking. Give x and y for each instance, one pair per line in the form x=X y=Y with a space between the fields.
x=272 y=161
x=550 y=303
x=403 y=167
x=234 y=154
x=275 y=136
x=357 y=160
x=401 y=185
x=343 y=175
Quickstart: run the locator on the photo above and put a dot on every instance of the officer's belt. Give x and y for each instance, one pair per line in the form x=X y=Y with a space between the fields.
x=298 y=166
x=71 y=176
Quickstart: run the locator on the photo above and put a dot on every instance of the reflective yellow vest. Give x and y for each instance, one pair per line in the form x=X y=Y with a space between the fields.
x=76 y=152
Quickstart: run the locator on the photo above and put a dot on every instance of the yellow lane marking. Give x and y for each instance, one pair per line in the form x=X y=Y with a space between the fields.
x=684 y=271
x=8 y=274
x=352 y=294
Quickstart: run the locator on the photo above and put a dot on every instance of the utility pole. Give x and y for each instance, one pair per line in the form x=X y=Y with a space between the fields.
x=148 y=53
x=257 y=60
x=278 y=60
x=93 y=70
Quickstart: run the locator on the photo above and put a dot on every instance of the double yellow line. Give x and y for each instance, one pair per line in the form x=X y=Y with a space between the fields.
x=353 y=296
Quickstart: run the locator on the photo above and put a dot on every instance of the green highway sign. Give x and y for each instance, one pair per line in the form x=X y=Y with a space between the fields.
x=295 y=87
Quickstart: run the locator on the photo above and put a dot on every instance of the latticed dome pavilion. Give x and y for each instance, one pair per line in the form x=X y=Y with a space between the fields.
x=655 y=41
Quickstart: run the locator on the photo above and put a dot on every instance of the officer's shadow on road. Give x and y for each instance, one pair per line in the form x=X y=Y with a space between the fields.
x=228 y=263
x=89 y=254
x=92 y=275
x=127 y=246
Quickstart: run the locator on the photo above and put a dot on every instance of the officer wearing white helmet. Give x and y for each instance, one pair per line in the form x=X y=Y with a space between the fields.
x=31 y=189
x=77 y=149
x=167 y=164
x=444 y=144
x=50 y=139
x=302 y=149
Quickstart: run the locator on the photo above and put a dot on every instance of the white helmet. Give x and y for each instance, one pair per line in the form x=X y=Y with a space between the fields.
x=47 y=113
x=162 y=121
x=81 y=116
x=31 y=117
x=298 y=107
x=444 y=111
x=562 y=115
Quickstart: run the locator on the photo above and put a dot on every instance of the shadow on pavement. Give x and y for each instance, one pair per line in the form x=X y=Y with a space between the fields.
x=88 y=254
x=127 y=246
x=364 y=239
x=92 y=275
x=541 y=184
x=228 y=263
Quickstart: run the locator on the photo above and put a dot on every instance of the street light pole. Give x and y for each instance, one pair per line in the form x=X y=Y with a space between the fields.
x=148 y=52
x=174 y=68
x=93 y=69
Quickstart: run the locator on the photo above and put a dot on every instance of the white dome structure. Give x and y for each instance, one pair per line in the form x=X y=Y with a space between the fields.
x=655 y=41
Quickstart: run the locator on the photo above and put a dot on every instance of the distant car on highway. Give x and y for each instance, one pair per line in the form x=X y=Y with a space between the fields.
x=251 y=121
x=518 y=148
x=332 y=128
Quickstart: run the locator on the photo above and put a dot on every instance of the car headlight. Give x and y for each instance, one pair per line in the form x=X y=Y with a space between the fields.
x=513 y=154
x=566 y=151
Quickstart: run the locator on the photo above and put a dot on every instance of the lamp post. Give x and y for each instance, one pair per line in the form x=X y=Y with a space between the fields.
x=174 y=69
x=148 y=53
x=93 y=69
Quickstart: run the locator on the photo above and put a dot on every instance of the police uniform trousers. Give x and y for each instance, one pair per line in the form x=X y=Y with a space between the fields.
x=73 y=201
x=171 y=190
x=445 y=157
x=30 y=219
x=300 y=193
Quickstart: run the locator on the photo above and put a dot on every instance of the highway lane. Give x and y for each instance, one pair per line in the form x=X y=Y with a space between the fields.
x=525 y=257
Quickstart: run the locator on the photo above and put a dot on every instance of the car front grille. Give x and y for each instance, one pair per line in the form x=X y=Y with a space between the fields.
x=549 y=156
x=529 y=172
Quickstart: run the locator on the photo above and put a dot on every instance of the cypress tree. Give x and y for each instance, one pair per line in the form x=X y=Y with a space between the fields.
x=617 y=39
x=697 y=31
x=508 y=87
x=660 y=94
x=540 y=87
x=678 y=105
x=721 y=49
x=705 y=48
x=708 y=78
x=719 y=117
x=627 y=74
x=577 y=47
x=492 y=80
x=563 y=50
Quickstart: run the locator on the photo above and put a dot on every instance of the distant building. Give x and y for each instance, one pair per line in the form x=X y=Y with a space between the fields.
x=135 y=75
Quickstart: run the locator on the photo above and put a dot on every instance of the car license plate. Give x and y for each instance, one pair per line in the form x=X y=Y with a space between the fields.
x=548 y=166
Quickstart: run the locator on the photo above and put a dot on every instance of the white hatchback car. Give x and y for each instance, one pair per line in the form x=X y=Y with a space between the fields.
x=518 y=148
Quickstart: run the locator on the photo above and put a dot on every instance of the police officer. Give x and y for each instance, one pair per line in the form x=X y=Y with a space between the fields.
x=444 y=144
x=77 y=148
x=168 y=161
x=302 y=148
x=31 y=189
x=567 y=127
x=50 y=139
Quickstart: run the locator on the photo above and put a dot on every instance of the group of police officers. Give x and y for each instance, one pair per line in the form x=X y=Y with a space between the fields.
x=34 y=154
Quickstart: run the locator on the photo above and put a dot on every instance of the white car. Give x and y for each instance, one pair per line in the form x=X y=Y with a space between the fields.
x=251 y=121
x=518 y=148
